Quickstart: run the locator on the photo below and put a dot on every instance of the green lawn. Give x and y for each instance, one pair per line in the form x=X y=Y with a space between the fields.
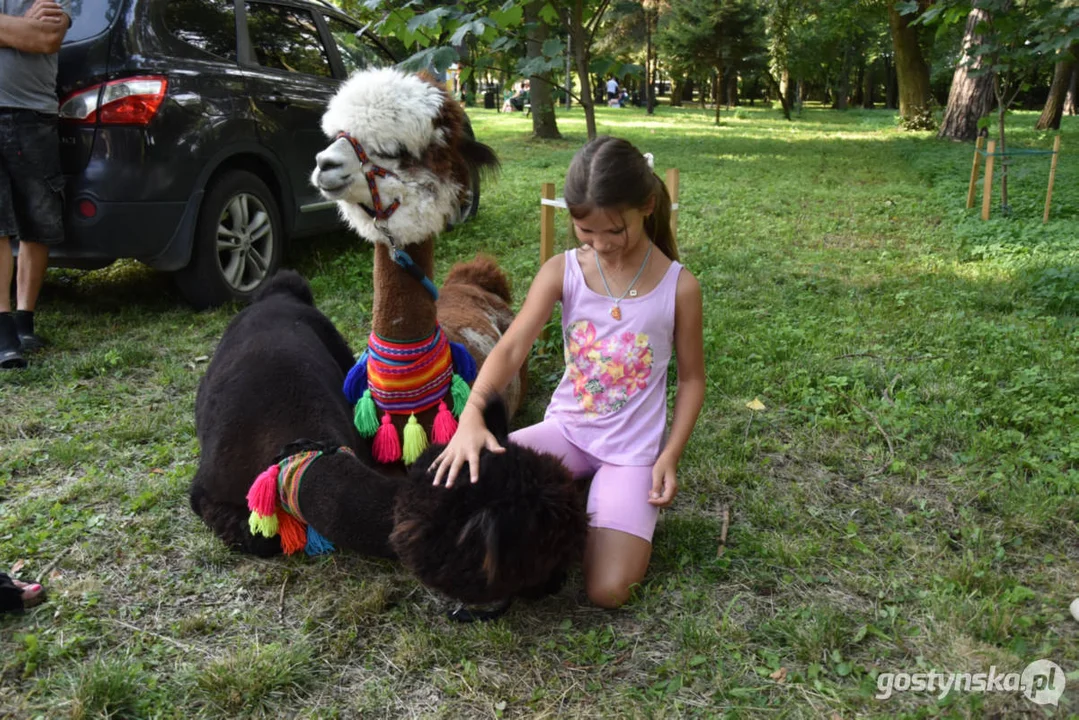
x=906 y=501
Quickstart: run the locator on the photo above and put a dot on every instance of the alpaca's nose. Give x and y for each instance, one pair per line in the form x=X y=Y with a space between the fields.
x=325 y=164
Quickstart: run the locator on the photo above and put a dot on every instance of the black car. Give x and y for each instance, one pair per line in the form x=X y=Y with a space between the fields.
x=189 y=129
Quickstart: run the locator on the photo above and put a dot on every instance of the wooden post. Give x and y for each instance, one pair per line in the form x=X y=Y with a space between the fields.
x=547 y=224
x=672 y=190
x=974 y=171
x=1052 y=176
x=987 y=188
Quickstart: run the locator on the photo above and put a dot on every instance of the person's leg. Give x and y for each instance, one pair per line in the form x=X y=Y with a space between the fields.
x=40 y=207
x=10 y=355
x=33 y=262
x=546 y=437
x=7 y=267
x=619 y=545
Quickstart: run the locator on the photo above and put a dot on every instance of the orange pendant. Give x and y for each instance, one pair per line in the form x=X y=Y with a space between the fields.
x=616 y=313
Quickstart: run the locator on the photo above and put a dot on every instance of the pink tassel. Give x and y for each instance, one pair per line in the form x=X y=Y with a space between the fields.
x=386 y=447
x=445 y=425
x=262 y=497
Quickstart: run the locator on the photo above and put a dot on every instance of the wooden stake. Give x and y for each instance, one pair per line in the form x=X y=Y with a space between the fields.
x=547 y=225
x=1052 y=176
x=672 y=189
x=974 y=171
x=987 y=188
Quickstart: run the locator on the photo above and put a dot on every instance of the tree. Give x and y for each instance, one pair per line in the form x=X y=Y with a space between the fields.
x=910 y=65
x=1063 y=78
x=971 y=95
x=544 y=124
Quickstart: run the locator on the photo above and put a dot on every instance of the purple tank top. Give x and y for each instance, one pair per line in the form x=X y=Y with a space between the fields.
x=612 y=400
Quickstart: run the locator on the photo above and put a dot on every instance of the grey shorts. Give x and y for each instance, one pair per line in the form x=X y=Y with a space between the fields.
x=31 y=181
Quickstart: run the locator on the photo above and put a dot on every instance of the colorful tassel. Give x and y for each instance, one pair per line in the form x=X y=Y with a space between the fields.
x=415 y=440
x=316 y=543
x=386 y=448
x=366 y=417
x=262 y=497
x=463 y=364
x=293 y=536
x=356 y=380
x=263 y=524
x=459 y=390
x=445 y=426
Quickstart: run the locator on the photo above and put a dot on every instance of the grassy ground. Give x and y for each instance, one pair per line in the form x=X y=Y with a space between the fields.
x=906 y=501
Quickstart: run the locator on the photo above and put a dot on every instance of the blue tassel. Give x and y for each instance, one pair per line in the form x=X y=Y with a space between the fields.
x=463 y=364
x=356 y=380
x=316 y=543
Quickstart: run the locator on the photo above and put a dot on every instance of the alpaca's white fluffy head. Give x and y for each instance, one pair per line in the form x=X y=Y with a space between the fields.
x=399 y=120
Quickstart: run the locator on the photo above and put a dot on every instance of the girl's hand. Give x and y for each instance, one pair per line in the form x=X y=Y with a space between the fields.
x=664 y=482
x=471 y=437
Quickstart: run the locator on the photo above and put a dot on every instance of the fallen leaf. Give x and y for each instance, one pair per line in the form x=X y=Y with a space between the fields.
x=755 y=404
x=157 y=471
x=17 y=566
x=779 y=675
x=202 y=358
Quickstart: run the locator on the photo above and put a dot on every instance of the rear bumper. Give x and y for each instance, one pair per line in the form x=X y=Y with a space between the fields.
x=156 y=233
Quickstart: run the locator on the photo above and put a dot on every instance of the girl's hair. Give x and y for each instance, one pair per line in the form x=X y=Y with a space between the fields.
x=610 y=173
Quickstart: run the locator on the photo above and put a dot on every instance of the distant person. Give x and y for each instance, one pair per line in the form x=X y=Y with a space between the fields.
x=31 y=181
x=612 y=89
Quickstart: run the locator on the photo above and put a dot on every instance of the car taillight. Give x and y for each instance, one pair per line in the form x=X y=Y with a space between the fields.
x=131 y=101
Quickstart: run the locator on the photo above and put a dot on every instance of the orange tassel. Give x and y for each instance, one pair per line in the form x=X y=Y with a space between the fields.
x=293 y=533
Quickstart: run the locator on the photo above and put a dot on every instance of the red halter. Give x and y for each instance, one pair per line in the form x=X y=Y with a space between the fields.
x=379 y=212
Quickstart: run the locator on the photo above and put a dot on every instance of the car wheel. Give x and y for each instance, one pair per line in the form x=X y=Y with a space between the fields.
x=237 y=245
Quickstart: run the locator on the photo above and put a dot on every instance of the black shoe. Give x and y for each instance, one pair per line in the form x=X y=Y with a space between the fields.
x=10 y=356
x=24 y=325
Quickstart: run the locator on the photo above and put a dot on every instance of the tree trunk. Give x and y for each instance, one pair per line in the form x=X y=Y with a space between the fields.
x=544 y=124
x=582 y=56
x=687 y=91
x=842 y=99
x=970 y=98
x=1054 y=104
x=1071 y=100
x=912 y=72
x=732 y=90
x=868 y=87
x=649 y=62
x=858 y=96
x=716 y=84
x=891 y=93
x=678 y=85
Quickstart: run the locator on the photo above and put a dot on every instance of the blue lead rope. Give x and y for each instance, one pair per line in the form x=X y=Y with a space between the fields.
x=403 y=259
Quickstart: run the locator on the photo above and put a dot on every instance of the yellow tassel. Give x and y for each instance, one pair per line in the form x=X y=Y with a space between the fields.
x=415 y=440
x=263 y=524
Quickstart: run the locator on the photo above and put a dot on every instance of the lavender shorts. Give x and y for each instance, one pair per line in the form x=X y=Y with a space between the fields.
x=618 y=498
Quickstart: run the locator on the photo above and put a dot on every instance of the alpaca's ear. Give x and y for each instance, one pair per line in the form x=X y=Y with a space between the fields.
x=485 y=523
x=496 y=417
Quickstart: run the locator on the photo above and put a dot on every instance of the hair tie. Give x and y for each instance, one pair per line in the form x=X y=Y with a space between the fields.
x=651 y=160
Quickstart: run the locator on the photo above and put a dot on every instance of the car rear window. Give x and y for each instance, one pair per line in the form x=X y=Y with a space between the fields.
x=287 y=39
x=209 y=25
x=90 y=18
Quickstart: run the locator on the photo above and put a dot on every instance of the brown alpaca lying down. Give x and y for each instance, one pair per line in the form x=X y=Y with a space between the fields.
x=274 y=383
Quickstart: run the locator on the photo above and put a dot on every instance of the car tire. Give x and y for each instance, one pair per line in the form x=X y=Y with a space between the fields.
x=238 y=242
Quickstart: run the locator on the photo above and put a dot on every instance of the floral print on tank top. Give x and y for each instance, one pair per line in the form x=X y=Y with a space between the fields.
x=606 y=372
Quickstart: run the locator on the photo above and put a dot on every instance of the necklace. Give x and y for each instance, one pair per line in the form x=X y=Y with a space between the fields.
x=616 y=312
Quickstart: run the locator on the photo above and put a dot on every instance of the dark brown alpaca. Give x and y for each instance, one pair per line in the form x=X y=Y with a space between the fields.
x=273 y=389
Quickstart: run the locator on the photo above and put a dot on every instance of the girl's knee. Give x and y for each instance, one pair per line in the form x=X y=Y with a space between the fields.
x=610 y=592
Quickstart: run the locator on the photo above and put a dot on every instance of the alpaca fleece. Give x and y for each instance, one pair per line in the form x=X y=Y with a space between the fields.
x=275 y=378
x=512 y=533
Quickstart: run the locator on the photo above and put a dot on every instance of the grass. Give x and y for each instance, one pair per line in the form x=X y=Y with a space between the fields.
x=906 y=501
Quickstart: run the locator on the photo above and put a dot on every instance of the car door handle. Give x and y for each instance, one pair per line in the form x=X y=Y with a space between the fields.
x=276 y=99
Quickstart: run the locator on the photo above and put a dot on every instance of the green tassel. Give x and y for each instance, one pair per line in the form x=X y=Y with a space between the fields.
x=415 y=440
x=263 y=525
x=459 y=390
x=366 y=415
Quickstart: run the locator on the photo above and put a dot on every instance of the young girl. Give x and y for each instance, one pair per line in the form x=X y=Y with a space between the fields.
x=627 y=304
